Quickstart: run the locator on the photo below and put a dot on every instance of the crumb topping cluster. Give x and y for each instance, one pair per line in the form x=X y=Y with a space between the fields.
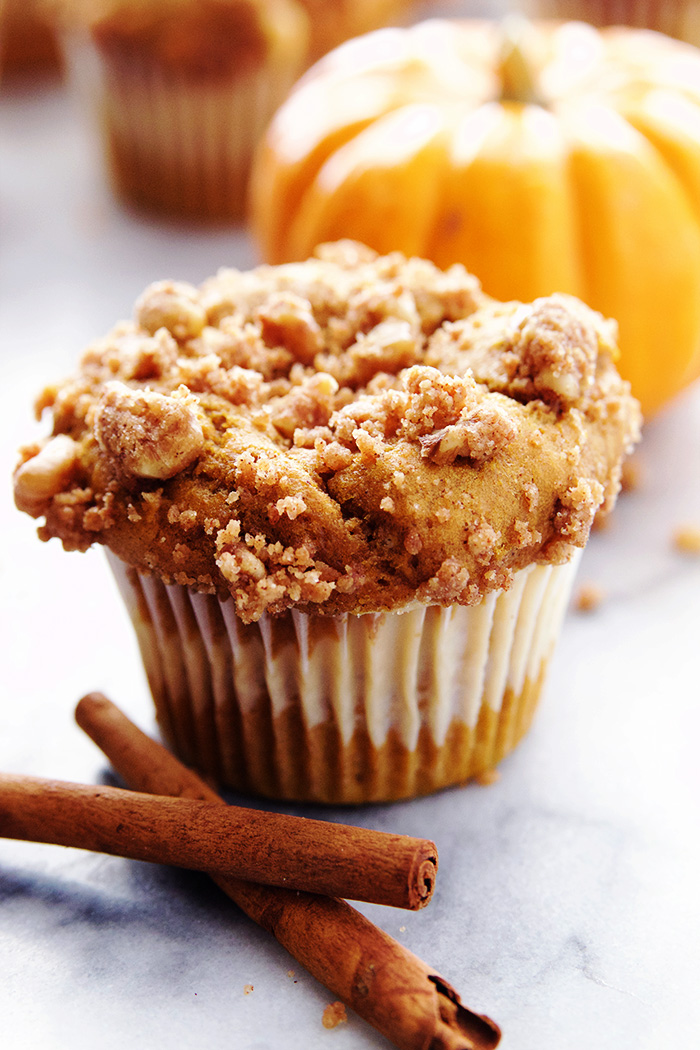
x=351 y=433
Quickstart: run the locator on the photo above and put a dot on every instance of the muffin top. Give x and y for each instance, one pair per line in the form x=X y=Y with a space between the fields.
x=206 y=35
x=352 y=433
x=192 y=37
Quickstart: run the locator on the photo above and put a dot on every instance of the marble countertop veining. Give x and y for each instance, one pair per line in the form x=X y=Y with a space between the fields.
x=567 y=900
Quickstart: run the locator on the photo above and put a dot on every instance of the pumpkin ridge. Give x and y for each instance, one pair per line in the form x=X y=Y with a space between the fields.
x=525 y=221
x=324 y=204
x=677 y=156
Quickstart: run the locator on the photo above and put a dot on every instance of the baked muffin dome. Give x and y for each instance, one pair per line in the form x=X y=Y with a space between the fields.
x=353 y=433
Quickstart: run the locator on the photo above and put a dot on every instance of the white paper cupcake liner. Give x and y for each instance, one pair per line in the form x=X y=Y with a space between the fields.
x=179 y=144
x=346 y=708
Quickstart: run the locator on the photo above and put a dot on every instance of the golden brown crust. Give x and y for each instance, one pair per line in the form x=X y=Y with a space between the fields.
x=352 y=433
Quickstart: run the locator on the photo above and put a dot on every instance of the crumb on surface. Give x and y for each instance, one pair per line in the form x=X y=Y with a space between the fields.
x=334 y=1014
x=686 y=538
x=247 y=989
x=589 y=597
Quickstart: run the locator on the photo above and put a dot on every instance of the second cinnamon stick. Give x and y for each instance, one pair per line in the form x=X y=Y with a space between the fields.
x=387 y=985
x=275 y=849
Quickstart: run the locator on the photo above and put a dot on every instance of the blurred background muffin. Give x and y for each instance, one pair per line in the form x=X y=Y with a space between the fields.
x=181 y=90
x=333 y=21
x=678 y=18
x=27 y=41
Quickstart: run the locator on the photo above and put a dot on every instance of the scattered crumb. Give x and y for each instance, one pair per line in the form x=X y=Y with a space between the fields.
x=686 y=538
x=488 y=776
x=334 y=1014
x=248 y=988
x=291 y=975
x=632 y=475
x=589 y=597
x=402 y=929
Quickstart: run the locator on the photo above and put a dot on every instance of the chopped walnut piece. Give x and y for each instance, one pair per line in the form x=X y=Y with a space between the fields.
x=45 y=474
x=557 y=341
x=477 y=435
x=173 y=305
x=287 y=319
x=147 y=434
x=388 y=347
x=308 y=405
x=142 y=357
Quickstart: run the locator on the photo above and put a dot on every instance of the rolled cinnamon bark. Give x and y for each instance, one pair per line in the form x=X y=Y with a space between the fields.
x=368 y=970
x=337 y=860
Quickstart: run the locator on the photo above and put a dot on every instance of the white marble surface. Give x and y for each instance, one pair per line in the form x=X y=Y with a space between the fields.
x=567 y=901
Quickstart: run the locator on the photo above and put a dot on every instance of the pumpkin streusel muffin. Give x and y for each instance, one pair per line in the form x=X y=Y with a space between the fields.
x=181 y=91
x=343 y=499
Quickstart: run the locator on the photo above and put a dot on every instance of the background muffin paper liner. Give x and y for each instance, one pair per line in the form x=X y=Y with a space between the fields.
x=175 y=143
x=677 y=18
x=347 y=708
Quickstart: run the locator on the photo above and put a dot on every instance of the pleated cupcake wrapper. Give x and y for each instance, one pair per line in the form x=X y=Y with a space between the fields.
x=346 y=708
x=678 y=18
x=178 y=143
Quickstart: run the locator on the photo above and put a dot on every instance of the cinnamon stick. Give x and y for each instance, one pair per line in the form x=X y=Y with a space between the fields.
x=338 y=860
x=368 y=970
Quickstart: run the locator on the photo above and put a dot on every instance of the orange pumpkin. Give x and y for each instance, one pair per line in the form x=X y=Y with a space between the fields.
x=569 y=161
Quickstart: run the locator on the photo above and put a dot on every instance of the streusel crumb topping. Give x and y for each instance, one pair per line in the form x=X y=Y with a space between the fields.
x=349 y=434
